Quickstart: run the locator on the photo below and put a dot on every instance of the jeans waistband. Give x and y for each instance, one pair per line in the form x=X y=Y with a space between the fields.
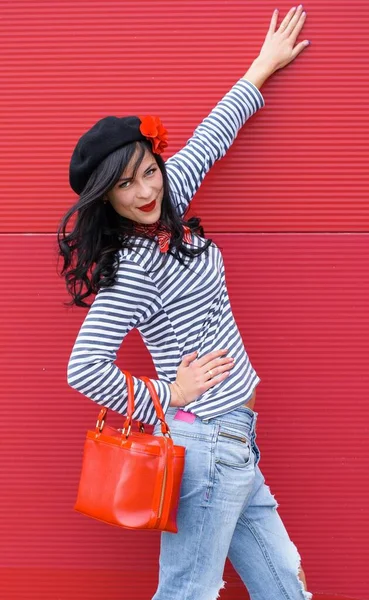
x=242 y=418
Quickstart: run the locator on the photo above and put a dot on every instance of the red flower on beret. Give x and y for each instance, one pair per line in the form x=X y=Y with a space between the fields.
x=153 y=129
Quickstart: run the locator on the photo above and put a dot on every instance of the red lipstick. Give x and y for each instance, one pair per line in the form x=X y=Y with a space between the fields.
x=148 y=207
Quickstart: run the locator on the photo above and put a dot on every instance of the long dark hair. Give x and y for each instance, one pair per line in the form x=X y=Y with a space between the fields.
x=89 y=250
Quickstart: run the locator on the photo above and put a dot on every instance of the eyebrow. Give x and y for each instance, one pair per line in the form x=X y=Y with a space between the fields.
x=128 y=178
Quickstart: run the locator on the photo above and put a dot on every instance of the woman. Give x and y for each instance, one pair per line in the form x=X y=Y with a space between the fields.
x=152 y=270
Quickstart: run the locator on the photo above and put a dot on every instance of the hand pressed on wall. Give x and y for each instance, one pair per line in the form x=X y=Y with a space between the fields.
x=279 y=47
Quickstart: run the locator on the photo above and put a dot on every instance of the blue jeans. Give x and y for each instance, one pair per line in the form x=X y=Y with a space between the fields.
x=225 y=510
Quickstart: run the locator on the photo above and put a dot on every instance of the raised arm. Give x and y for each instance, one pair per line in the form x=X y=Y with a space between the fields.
x=114 y=312
x=212 y=138
x=210 y=141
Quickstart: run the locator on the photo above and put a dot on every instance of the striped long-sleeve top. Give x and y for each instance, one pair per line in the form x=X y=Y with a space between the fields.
x=176 y=309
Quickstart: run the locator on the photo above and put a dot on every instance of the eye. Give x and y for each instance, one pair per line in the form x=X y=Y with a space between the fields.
x=150 y=172
x=124 y=184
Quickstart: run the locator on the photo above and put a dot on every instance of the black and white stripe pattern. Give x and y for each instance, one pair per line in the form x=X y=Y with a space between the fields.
x=176 y=310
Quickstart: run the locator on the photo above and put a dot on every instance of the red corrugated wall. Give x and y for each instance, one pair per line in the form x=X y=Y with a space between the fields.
x=289 y=208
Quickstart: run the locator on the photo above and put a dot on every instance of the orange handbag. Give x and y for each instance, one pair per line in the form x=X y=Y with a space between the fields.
x=130 y=478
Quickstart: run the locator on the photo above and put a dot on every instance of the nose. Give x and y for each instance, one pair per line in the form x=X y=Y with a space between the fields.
x=144 y=190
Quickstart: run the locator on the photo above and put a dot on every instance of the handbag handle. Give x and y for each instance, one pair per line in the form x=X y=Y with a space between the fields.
x=157 y=404
x=131 y=405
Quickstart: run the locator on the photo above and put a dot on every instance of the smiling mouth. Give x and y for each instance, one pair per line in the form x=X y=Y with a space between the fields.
x=148 y=207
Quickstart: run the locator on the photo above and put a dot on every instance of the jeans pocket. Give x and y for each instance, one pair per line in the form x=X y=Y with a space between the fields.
x=233 y=449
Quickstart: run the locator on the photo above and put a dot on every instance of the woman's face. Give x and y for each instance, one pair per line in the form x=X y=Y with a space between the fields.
x=128 y=194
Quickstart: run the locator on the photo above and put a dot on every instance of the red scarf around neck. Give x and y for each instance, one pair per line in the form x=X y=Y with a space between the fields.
x=164 y=236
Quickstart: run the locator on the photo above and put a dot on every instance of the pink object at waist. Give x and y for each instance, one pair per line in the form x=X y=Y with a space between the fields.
x=182 y=415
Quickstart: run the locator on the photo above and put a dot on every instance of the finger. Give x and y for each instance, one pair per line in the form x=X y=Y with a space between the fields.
x=298 y=27
x=204 y=365
x=287 y=19
x=209 y=383
x=299 y=48
x=295 y=22
x=219 y=365
x=189 y=358
x=204 y=360
x=273 y=22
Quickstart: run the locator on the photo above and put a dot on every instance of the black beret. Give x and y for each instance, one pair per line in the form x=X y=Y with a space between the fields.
x=106 y=136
